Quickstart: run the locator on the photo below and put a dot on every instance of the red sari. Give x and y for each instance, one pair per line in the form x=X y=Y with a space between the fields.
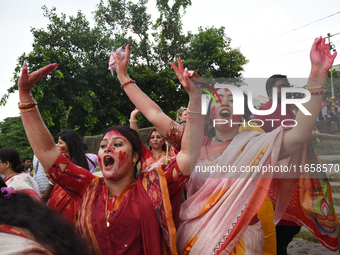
x=143 y=219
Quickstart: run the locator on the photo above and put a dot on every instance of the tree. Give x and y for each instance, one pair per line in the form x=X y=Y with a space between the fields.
x=81 y=94
x=12 y=134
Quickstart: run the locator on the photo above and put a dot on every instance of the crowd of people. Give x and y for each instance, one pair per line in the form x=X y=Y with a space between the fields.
x=138 y=206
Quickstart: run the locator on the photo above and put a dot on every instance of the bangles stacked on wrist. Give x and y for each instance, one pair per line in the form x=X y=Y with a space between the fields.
x=130 y=120
x=28 y=107
x=315 y=86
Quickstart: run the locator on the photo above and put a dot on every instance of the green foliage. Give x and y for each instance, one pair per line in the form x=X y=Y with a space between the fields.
x=81 y=94
x=12 y=134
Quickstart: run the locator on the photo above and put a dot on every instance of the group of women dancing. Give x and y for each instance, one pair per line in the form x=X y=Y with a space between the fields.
x=129 y=213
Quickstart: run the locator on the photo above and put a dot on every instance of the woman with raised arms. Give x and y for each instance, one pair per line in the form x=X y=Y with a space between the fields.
x=220 y=214
x=120 y=213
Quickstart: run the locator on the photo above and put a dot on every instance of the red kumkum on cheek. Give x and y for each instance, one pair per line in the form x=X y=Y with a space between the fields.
x=100 y=162
x=123 y=157
x=62 y=148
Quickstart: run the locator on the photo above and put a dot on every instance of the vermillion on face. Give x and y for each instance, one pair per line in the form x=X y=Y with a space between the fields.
x=115 y=156
x=156 y=140
x=62 y=146
x=224 y=111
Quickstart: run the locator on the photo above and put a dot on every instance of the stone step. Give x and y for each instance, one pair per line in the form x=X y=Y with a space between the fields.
x=335 y=187
x=330 y=159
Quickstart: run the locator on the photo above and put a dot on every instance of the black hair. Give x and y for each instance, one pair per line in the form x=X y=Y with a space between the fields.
x=273 y=79
x=12 y=156
x=75 y=147
x=24 y=159
x=149 y=138
x=48 y=228
x=86 y=148
x=210 y=130
x=133 y=138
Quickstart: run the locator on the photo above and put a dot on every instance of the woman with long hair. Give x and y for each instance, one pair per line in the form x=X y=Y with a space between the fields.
x=11 y=167
x=30 y=227
x=157 y=153
x=220 y=214
x=120 y=213
x=70 y=144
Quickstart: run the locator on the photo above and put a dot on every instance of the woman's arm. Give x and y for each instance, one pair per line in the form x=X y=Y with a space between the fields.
x=37 y=133
x=192 y=138
x=322 y=61
x=147 y=107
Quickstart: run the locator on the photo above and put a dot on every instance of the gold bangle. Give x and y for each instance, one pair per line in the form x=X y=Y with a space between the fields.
x=130 y=120
x=312 y=88
x=29 y=110
x=192 y=111
x=26 y=104
x=315 y=85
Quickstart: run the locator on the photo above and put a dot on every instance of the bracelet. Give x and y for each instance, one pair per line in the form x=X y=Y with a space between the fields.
x=29 y=110
x=125 y=83
x=22 y=105
x=318 y=92
x=130 y=120
x=28 y=106
x=192 y=111
x=312 y=88
x=315 y=85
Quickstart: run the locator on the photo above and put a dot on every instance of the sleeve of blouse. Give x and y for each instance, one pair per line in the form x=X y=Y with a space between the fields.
x=174 y=135
x=174 y=177
x=74 y=179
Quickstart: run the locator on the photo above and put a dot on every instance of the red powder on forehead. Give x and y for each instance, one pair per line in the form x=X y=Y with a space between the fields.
x=123 y=157
x=226 y=90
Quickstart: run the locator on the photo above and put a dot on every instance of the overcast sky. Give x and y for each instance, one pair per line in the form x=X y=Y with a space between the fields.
x=275 y=36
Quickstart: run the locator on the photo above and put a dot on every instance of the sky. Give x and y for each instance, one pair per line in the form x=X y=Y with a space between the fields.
x=275 y=36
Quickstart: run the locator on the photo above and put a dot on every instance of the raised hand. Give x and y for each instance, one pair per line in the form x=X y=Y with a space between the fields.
x=27 y=81
x=122 y=65
x=320 y=56
x=182 y=74
x=134 y=114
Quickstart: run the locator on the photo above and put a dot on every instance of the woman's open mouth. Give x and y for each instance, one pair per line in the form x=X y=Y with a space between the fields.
x=224 y=113
x=108 y=162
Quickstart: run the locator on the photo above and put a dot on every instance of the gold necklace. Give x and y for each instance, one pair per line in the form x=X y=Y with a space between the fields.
x=107 y=213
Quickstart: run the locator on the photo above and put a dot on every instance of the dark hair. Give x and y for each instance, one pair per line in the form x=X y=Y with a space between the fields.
x=12 y=156
x=86 y=148
x=75 y=147
x=273 y=79
x=133 y=138
x=210 y=131
x=149 y=138
x=48 y=228
x=24 y=159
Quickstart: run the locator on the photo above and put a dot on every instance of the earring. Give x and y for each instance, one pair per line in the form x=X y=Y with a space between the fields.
x=134 y=162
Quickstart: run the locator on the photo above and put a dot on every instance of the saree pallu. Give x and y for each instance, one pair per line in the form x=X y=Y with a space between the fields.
x=24 y=183
x=14 y=242
x=219 y=209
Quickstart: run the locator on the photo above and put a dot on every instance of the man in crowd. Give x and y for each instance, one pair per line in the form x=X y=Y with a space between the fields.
x=27 y=163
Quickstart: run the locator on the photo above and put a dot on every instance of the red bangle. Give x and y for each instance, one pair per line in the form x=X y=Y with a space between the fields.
x=125 y=83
